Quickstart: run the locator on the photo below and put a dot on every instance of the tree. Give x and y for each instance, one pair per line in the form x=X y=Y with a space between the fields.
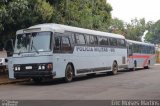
x=135 y=29
x=117 y=26
x=92 y=14
x=19 y=14
x=153 y=34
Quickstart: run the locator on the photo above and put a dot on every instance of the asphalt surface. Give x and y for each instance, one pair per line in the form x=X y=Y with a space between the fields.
x=139 y=84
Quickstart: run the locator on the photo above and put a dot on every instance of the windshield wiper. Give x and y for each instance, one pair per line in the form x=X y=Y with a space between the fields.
x=34 y=48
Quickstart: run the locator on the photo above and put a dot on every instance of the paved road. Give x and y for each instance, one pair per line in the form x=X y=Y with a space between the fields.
x=140 y=84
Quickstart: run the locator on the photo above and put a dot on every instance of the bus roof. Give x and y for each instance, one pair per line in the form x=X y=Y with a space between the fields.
x=61 y=28
x=141 y=43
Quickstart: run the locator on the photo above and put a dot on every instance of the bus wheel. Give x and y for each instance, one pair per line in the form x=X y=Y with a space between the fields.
x=114 y=68
x=147 y=67
x=37 y=80
x=69 y=73
x=132 y=69
x=135 y=65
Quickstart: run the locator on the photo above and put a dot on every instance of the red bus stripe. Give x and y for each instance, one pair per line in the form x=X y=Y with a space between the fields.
x=146 y=57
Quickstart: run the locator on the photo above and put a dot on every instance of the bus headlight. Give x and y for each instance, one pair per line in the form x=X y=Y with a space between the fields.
x=47 y=67
x=41 y=67
x=17 y=68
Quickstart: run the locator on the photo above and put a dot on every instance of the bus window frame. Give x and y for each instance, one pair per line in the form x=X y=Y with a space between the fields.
x=60 y=35
x=77 y=34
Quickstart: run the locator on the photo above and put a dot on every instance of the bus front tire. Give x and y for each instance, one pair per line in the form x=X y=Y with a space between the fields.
x=37 y=80
x=68 y=73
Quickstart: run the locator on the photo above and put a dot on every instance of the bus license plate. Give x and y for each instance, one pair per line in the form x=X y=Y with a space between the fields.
x=28 y=67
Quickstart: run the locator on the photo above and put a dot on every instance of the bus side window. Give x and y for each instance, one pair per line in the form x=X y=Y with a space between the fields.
x=130 y=50
x=80 y=39
x=95 y=40
x=71 y=36
x=66 y=45
x=57 y=46
x=103 y=41
x=121 y=43
x=92 y=42
x=87 y=39
x=113 y=42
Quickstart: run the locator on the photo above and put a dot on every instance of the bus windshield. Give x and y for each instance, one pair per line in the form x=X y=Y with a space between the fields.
x=33 y=42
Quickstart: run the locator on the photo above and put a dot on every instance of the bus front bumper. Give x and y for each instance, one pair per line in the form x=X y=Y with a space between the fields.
x=34 y=74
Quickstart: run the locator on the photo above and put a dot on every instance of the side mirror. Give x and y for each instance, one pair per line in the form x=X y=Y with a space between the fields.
x=9 y=47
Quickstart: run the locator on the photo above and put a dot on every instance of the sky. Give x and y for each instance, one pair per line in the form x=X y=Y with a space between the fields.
x=127 y=10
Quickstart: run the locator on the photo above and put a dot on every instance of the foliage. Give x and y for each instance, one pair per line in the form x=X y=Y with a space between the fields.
x=91 y=14
x=133 y=30
x=19 y=14
x=117 y=26
x=136 y=29
x=153 y=34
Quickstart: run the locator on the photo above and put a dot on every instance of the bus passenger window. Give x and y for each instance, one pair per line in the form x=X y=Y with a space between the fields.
x=66 y=46
x=95 y=40
x=73 y=38
x=92 y=40
x=80 y=39
x=87 y=39
x=113 y=42
x=57 y=45
x=121 y=43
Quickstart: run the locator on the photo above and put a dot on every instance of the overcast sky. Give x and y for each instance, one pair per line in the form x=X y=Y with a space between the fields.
x=130 y=9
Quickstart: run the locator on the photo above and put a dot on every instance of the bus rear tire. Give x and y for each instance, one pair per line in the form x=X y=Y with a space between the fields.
x=135 y=65
x=114 y=68
x=146 y=67
x=69 y=73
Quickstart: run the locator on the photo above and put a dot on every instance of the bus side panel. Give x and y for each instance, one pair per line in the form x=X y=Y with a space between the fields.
x=60 y=62
x=96 y=59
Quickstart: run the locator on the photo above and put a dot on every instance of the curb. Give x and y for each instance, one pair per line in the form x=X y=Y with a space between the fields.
x=13 y=82
x=157 y=64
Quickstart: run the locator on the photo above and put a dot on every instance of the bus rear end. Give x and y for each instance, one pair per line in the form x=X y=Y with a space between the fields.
x=140 y=54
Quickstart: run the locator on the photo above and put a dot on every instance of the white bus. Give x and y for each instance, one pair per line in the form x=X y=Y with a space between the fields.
x=60 y=51
x=140 y=54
